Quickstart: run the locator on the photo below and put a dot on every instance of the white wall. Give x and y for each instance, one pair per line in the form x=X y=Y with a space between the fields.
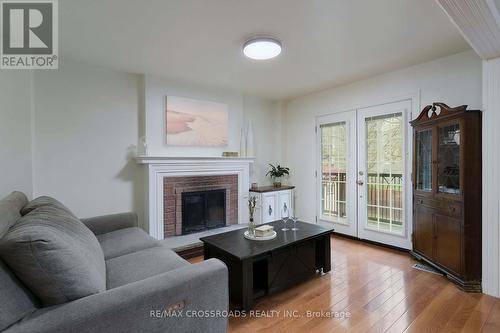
x=454 y=80
x=242 y=109
x=491 y=178
x=86 y=129
x=87 y=122
x=15 y=132
x=265 y=120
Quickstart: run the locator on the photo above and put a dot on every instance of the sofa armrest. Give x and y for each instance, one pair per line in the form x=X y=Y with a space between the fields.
x=107 y=223
x=139 y=306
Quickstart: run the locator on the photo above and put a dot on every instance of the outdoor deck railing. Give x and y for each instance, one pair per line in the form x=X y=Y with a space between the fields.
x=384 y=196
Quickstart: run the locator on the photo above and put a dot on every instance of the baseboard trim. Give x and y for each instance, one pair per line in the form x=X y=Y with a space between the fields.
x=467 y=286
x=392 y=247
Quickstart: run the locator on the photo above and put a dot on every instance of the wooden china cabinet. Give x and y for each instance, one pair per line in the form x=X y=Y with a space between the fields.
x=447 y=192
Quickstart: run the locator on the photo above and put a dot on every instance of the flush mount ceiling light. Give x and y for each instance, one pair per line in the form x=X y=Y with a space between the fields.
x=262 y=48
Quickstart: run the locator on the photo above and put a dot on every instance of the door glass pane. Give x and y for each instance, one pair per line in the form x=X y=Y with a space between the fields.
x=424 y=160
x=333 y=171
x=385 y=168
x=449 y=159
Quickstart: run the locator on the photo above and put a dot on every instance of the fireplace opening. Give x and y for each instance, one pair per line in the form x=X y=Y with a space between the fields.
x=203 y=210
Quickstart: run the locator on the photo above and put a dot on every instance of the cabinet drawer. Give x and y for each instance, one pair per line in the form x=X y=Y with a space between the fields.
x=451 y=208
x=444 y=207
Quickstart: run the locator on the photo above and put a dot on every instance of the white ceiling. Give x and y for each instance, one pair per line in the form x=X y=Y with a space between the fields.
x=326 y=42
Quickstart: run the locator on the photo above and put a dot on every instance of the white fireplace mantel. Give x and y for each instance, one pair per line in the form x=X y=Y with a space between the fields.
x=159 y=167
x=198 y=159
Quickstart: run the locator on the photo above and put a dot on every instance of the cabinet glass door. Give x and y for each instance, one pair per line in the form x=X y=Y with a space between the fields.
x=449 y=159
x=423 y=141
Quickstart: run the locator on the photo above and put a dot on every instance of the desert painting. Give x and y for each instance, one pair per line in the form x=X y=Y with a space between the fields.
x=191 y=122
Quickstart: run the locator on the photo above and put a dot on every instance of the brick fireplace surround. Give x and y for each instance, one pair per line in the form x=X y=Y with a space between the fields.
x=173 y=187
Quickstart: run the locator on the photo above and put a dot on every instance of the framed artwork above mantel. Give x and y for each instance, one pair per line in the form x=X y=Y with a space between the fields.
x=191 y=122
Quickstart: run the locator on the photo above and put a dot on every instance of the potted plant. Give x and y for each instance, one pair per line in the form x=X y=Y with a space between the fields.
x=276 y=173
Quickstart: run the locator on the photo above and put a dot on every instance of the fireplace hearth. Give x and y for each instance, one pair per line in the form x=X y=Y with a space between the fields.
x=203 y=210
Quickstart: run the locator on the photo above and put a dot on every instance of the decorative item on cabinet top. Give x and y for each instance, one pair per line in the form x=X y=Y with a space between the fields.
x=270 y=201
x=276 y=173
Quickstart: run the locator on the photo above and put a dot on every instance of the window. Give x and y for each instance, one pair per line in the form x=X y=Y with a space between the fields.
x=385 y=167
x=333 y=171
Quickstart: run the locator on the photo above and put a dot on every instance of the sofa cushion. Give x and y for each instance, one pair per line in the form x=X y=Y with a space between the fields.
x=16 y=301
x=140 y=265
x=54 y=255
x=42 y=202
x=10 y=208
x=125 y=241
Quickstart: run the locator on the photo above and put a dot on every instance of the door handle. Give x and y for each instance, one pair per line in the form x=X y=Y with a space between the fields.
x=360 y=182
x=270 y=210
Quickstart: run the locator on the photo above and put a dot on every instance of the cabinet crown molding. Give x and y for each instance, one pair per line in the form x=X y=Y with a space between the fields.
x=438 y=110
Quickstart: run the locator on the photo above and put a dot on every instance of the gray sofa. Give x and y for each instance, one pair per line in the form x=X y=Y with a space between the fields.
x=54 y=278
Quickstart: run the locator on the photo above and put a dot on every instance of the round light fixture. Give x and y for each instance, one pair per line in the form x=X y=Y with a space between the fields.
x=262 y=48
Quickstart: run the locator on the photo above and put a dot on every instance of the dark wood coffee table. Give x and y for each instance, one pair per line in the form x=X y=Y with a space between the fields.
x=258 y=268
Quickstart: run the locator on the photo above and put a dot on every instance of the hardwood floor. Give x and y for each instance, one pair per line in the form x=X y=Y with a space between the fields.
x=380 y=292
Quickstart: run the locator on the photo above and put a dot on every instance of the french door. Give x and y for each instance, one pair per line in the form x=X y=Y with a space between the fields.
x=336 y=135
x=362 y=172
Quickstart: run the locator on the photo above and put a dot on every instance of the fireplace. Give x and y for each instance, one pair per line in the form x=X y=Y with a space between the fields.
x=169 y=177
x=203 y=210
x=197 y=203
